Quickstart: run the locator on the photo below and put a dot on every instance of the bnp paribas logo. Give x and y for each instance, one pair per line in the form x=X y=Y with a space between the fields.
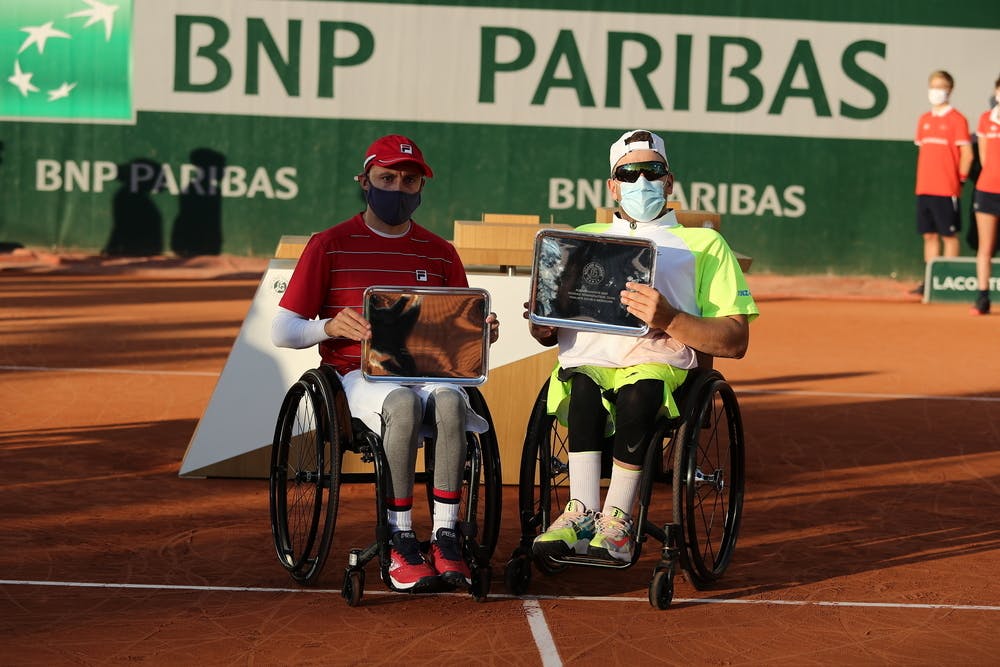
x=67 y=60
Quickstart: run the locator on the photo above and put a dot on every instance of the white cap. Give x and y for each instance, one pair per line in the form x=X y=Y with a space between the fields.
x=625 y=145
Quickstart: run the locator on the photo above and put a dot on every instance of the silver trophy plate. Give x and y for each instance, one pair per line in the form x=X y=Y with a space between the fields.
x=426 y=334
x=577 y=280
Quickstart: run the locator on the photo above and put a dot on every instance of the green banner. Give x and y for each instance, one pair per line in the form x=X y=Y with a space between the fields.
x=953 y=279
x=246 y=120
x=67 y=60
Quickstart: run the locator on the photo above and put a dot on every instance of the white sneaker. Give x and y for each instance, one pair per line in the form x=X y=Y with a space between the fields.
x=614 y=537
x=570 y=532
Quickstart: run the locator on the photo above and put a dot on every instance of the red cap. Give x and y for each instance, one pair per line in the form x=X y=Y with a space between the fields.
x=394 y=149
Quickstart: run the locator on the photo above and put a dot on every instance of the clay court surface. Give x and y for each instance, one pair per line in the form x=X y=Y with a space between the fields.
x=871 y=532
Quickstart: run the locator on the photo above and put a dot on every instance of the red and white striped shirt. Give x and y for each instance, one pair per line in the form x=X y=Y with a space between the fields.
x=338 y=264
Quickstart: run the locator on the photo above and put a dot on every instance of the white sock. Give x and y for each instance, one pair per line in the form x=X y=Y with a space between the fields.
x=585 y=478
x=400 y=520
x=445 y=516
x=622 y=490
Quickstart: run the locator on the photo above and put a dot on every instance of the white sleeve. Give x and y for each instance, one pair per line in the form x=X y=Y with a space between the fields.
x=289 y=329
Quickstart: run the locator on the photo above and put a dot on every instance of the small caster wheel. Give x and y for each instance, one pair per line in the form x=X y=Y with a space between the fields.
x=661 y=588
x=354 y=587
x=517 y=575
x=481 y=579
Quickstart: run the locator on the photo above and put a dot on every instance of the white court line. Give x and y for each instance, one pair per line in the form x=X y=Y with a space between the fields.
x=851 y=394
x=504 y=596
x=127 y=371
x=540 y=631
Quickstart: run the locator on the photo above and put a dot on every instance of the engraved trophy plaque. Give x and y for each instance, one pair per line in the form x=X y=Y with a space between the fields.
x=577 y=280
x=426 y=334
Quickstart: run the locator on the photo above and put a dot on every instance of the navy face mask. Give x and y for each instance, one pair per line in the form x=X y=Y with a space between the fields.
x=393 y=207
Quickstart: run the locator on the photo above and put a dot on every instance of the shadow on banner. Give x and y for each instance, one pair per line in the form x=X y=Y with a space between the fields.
x=136 y=222
x=198 y=226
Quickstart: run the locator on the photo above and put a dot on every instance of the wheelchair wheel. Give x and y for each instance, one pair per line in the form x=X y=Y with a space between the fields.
x=490 y=476
x=543 y=483
x=517 y=574
x=305 y=476
x=709 y=479
x=661 y=588
x=483 y=461
x=481 y=582
x=353 y=587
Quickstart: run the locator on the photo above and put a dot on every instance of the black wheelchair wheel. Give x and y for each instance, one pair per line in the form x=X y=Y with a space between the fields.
x=543 y=482
x=517 y=574
x=353 y=587
x=480 y=504
x=481 y=582
x=305 y=477
x=661 y=588
x=709 y=479
x=490 y=477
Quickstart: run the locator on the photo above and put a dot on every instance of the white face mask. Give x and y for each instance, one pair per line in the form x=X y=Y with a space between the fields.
x=643 y=200
x=937 y=96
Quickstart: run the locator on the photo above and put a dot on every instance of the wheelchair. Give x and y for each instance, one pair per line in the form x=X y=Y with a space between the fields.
x=700 y=454
x=313 y=430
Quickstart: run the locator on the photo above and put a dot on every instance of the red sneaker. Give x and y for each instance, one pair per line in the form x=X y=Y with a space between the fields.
x=446 y=557
x=407 y=568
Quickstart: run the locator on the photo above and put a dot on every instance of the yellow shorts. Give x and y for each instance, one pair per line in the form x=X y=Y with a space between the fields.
x=557 y=401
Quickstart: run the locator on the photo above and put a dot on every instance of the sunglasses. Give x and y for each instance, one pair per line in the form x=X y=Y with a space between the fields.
x=629 y=173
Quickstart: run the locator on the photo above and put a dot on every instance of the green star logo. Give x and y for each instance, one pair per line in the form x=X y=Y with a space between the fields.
x=66 y=60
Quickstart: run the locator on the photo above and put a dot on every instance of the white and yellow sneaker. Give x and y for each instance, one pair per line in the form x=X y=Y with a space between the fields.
x=613 y=539
x=570 y=532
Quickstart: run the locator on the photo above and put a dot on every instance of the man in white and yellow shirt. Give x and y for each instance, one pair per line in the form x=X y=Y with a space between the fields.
x=698 y=301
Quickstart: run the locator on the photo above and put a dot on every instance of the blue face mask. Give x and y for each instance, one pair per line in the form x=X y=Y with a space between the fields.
x=393 y=207
x=643 y=200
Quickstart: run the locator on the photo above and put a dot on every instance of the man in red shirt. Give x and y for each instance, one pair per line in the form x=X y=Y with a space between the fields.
x=942 y=168
x=382 y=245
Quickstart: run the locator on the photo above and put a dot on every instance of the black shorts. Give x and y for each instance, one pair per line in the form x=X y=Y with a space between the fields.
x=986 y=202
x=938 y=215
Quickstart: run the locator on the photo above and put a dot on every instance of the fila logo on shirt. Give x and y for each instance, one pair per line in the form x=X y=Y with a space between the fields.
x=421 y=275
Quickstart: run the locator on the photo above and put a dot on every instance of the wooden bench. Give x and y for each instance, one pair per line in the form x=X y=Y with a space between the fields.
x=290 y=247
x=502 y=240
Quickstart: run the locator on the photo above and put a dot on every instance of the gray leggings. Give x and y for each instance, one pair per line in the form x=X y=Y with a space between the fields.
x=401 y=421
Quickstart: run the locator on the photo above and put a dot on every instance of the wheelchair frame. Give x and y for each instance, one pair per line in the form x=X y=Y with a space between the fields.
x=701 y=454
x=313 y=430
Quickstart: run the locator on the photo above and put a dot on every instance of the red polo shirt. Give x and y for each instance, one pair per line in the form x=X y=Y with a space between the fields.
x=939 y=136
